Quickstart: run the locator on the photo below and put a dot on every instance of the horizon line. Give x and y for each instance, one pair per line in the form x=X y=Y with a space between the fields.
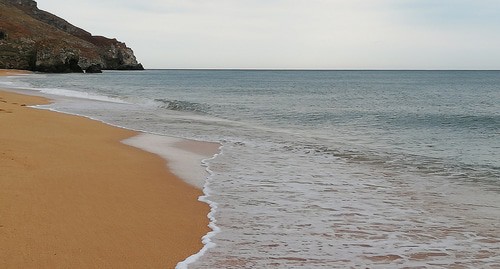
x=312 y=69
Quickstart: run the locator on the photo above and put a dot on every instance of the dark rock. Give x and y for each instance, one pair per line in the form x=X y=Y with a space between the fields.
x=25 y=3
x=69 y=66
x=94 y=68
x=130 y=67
x=3 y=35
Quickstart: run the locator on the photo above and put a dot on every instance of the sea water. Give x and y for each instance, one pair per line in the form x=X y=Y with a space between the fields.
x=322 y=169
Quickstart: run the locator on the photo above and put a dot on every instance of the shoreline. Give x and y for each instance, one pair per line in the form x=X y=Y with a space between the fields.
x=123 y=209
x=183 y=156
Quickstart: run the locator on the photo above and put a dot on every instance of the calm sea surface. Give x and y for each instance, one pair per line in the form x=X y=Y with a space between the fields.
x=324 y=169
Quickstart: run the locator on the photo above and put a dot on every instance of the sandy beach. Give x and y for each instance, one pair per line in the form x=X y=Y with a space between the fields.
x=73 y=196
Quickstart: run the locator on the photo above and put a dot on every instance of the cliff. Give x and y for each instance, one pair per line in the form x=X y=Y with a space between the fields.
x=33 y=39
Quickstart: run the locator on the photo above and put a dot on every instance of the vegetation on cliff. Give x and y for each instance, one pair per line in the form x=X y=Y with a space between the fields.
x=33 y=39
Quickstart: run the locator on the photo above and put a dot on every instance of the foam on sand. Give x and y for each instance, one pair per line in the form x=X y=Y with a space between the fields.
x=184 y=156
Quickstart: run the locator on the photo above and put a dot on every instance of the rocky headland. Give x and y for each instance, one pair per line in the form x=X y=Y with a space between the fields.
x=36 y=40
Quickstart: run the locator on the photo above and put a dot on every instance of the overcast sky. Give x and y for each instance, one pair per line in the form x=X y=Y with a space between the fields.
x=316 y=34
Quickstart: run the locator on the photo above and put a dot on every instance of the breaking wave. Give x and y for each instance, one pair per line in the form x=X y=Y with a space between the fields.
x=177 y=105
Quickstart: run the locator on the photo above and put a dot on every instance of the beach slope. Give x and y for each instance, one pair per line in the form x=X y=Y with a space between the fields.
x=73 y=196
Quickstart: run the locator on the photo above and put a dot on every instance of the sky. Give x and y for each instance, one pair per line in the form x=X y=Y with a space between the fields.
x=296 y=34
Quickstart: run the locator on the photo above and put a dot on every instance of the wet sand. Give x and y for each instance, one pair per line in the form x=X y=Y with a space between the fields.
x=73 y=196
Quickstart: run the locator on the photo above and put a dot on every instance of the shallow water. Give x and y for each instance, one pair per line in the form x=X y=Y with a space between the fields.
x=324 y=169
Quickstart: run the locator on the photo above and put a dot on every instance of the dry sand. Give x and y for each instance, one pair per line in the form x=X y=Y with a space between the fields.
x=13 y=72
x=73 y=196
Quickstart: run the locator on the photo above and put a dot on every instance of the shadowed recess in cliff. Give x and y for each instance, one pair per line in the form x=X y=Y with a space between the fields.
x=33 y=39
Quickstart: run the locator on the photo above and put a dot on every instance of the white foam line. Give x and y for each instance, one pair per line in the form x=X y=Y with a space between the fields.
x=81 y=95
x=206 y=239
x=67 y=93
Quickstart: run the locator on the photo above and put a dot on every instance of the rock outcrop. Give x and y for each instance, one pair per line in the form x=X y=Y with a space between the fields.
x=33 y=39
x=95 y=68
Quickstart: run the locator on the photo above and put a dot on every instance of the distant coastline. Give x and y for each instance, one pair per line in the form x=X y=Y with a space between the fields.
x=36 y=40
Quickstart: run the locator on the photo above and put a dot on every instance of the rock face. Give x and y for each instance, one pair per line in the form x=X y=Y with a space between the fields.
x=95 y=68
x=33 y=39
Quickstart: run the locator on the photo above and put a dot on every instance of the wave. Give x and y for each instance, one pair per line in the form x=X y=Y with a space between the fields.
x=410 y=163
x=207 y=239
x=177 y=105
x=430 y=120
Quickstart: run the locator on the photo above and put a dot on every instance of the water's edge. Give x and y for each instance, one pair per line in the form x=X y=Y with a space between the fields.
x=189 y=166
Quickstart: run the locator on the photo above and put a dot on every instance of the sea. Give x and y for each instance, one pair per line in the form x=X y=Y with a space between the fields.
x=320 y=169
